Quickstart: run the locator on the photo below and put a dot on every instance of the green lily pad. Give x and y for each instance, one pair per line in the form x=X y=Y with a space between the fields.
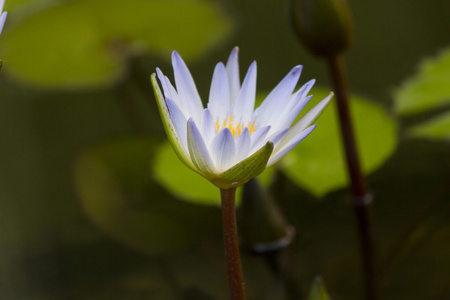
x=86 y=43
x=318 y=163
x=428 y=89
x=118 y=194
x=436 y=129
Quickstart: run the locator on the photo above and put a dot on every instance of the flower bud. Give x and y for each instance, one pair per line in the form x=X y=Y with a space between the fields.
x=262 y=227
x=324 y=26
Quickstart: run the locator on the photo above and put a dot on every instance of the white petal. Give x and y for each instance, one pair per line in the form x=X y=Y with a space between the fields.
x=307 y=119
x=296 y=103
x=243 y=145
x=186 y=87
x=2 y=3
x=223 y=149
x=276 y=137
x=2 y=20
x=198 y=151
x=291 y=111
x=179 y=122
x=276 y=100
x=304 y=90
x=169 y=90
x=243 y=108
x=258 y=138
x=283 y=150
x=208 y=126
x=233 y=75
x=219 y=94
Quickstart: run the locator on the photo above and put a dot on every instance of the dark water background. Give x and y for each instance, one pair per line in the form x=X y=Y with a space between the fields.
x=50 y=249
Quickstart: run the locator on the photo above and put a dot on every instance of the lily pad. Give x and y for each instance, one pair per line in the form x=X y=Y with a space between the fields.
x=436 y=129
x=318 y=163
x=86 y=43
x=428 y=89
x=118 y=194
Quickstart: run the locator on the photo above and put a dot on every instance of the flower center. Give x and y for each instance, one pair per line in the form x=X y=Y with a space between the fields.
x=236 y=129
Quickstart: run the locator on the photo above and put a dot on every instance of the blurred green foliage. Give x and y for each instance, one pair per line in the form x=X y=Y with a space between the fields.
x=85 y=43
x=428 y=91
x=118 y=194
x=436 y=128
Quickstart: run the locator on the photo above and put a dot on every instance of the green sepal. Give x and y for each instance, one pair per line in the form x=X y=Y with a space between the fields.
x=245 y=170
x=169 y=127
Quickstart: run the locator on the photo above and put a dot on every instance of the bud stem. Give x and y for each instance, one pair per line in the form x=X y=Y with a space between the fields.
x=361 y=197
x=230 y=237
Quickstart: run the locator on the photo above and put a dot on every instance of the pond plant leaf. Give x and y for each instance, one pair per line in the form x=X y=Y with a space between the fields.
x=428 y=91
x=86 y=43
x=437 y=128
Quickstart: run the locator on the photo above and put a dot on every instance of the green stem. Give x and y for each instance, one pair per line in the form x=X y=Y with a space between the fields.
x=361 y=198
x=230 y=237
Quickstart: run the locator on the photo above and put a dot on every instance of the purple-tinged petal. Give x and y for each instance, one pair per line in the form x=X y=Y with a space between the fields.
x=179 y=122
x=208 y=126
x=283 y=150
x=186 y=87
x=243 y=145
x=276 y=137
x=198 y=151
x=223 y=149
x=276 y=100
x=219 y=94
x=258 y=138
x=168 y=89
x=307 y=119
x=291 y=112
x=243 y=108
x=233 y=75
x=294 y=106
x=2 y=20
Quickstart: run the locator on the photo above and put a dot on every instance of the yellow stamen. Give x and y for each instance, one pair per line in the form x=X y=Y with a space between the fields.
x=237 y=129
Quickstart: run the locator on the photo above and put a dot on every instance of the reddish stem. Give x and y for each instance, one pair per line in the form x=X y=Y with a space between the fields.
x=230 y=237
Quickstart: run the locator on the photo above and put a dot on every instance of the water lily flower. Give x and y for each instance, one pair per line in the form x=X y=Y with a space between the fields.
x=3 y=15
x=229 y=142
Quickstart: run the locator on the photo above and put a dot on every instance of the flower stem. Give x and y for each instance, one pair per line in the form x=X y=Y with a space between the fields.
x=361 y=198
x=230 y=236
